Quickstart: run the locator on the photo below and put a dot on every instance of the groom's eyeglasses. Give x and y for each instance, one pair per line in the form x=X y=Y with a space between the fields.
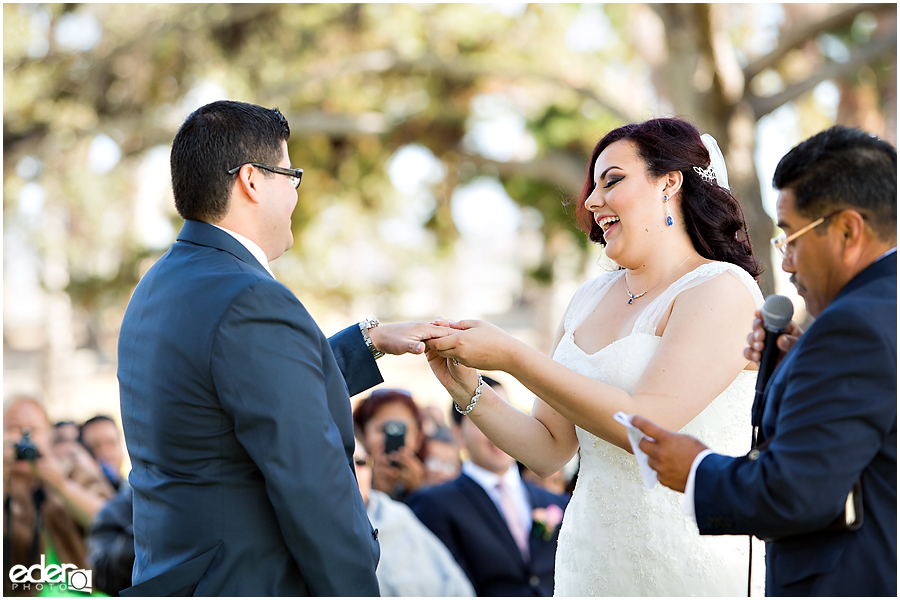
x=294 y=175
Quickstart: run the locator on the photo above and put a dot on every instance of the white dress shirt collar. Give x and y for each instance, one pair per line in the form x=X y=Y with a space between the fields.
x=888 y=253
x=251 y=247
x=511 y=479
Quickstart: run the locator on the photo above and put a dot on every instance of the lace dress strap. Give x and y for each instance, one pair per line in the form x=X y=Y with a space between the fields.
x=586 y=298
x=649 y=320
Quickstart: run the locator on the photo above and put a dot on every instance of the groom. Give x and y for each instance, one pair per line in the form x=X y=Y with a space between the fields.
x=235 y=406
x=830 y=416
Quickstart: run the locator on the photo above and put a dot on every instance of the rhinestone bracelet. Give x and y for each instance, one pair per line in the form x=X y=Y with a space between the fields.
x=364 y=327
x=473 y=402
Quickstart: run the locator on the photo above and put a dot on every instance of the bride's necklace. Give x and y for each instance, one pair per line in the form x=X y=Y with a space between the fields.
x=633 y=297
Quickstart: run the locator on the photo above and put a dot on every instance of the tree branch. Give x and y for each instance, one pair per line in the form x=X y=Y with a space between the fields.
x=764 y=105
x=385 y=61
x=558 y=168
x=796 y=38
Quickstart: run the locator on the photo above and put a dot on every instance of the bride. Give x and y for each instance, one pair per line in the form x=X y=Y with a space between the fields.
x=663 y=336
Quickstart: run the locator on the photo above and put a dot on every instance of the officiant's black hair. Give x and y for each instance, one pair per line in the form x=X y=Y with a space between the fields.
x=213 y=139
x=712 y=216
x=843 y=167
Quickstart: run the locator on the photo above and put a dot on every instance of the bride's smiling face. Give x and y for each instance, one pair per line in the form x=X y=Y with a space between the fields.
x=626 y=203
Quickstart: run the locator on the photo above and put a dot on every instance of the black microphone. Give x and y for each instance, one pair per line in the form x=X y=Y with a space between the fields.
x=776 y=315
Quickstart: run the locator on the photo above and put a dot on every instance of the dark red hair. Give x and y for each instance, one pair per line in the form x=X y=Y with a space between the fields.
x=712 y=216
x=366 y=409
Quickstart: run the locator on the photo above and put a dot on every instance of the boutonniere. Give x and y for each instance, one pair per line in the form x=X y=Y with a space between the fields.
x=546 y=520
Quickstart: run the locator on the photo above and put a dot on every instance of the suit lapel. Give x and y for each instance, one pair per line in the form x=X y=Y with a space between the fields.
x=886 y=267
x=204 y=234
x=485 y=507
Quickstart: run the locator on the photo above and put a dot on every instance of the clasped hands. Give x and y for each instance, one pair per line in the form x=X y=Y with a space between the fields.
x=454 y=350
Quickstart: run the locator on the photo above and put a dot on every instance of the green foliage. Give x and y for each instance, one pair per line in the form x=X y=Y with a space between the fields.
x=357 y=82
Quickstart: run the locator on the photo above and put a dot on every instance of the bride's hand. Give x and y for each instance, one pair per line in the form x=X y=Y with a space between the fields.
x=460 y=381
x=477 y=344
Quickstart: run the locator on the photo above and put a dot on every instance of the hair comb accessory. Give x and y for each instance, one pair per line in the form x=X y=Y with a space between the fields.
x=716 y=171
x=708 y=174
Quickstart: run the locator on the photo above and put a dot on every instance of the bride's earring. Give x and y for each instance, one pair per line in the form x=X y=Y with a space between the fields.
x=669 y=220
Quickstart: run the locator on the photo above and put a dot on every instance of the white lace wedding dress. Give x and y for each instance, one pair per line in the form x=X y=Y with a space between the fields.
x=617 y=538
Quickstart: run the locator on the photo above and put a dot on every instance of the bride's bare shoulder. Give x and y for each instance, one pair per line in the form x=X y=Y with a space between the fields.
x=726 y=289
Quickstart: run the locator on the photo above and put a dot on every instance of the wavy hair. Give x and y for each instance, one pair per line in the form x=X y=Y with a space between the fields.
x=713 y=217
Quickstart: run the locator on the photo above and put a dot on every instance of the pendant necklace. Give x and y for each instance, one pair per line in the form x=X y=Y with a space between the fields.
x=633 y=297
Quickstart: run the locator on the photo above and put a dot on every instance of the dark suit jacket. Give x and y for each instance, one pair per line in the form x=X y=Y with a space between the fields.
x=237 y=418
x=830 y=419
x=463 y=516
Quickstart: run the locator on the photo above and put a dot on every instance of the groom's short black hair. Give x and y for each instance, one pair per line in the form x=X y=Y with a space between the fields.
x=457 y=418
x=214 y=139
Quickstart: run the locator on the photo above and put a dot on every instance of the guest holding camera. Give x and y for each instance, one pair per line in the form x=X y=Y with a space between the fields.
x=389 y=424
x=48 y=502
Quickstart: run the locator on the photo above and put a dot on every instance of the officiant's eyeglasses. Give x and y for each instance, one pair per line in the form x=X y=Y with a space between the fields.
x=781 y=242
x=294 y=175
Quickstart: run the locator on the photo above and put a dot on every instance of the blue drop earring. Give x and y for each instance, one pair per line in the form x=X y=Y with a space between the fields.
x=669 y=220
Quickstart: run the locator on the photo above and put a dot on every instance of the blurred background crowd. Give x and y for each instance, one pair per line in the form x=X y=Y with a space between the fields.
x=67 y=501
x=441 y=144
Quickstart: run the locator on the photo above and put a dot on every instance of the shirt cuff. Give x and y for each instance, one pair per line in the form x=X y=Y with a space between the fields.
x=688 y=508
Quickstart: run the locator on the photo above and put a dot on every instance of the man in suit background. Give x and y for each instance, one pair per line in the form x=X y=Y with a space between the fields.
x=830 y=416
x=484 y=517
x=235 y=407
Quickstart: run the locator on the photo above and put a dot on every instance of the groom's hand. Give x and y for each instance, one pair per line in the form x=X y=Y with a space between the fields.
x=477 y=344
x=403 y=338
x=670 y=454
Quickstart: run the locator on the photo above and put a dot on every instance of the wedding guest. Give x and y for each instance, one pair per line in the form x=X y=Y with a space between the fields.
x=413 y=561
x=66 y=431
x=441 y=454
x=235 y=406
x=829 y=420
x=555 y=482
x=74 y=458
x=45 y=508
x=101 y=437
x=663 y=335
x=486 y=518
x=402 y=471
x=432 y=420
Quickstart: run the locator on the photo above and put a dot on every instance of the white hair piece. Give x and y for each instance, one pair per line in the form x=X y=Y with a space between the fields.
x=716 y=164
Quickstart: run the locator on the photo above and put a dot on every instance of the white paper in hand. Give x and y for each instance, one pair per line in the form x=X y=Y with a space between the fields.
x=635 y=436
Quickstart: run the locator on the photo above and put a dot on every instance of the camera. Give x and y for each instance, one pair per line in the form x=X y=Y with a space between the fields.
x=25 y=448
x=394 y=436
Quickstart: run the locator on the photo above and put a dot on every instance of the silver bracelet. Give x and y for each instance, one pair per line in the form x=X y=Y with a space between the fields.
x=473 y=402
x=364 y=327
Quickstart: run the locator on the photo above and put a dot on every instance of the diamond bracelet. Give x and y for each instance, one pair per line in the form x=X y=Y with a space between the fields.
x=473 y=402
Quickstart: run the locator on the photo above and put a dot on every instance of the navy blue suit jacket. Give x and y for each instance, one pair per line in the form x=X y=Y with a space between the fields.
x=463 y=516
x=237 y=418
x=830 y=419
